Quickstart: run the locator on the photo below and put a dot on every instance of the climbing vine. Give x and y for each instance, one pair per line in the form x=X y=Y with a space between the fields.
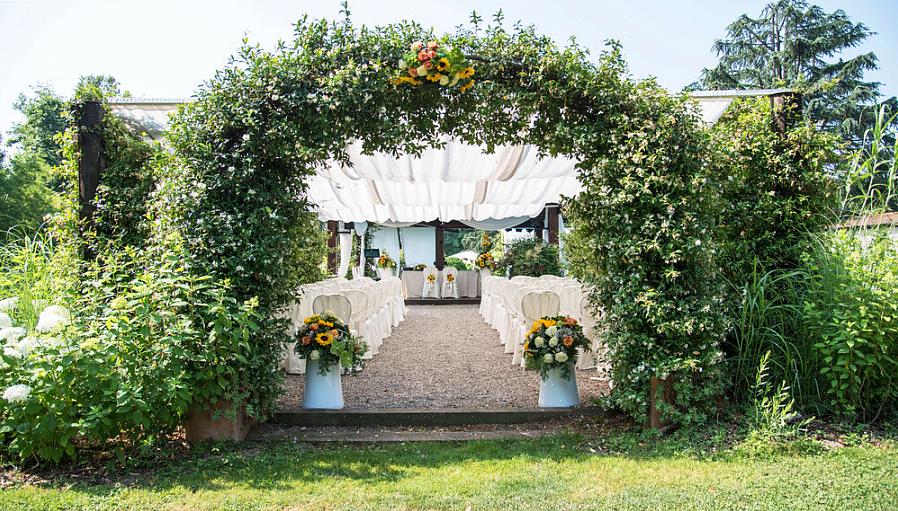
x=243 y=151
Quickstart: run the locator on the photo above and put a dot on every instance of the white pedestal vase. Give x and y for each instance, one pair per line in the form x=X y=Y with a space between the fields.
x=556 y=391
x=385 y=272
x=322 y=391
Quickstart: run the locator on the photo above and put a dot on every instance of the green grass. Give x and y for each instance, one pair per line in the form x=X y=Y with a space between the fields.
x=553 y=473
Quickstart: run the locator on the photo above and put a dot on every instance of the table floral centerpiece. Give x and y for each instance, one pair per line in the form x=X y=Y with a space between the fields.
x=328 y=347
x=386 y=265
x=551 y=346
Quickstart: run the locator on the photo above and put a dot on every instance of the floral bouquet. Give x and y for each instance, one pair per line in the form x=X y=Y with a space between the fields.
x=435 y=63
x=552 y=343
x=486 y=261
x=323 y=337
x=386 y=261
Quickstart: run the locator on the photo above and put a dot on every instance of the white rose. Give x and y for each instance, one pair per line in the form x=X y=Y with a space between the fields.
x=17 y=393
x=561 y=357
x=548 y=358
x=422 y=71
x=444 y=80
x=5 y=320
x=553 y=342
x=552 y=330
x=539 y=342
x=314 y=355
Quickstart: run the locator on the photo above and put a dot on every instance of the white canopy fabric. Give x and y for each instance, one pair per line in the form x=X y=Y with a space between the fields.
x=456 y=182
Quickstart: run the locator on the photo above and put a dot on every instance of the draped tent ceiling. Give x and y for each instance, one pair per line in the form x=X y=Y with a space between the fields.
x=456 y=182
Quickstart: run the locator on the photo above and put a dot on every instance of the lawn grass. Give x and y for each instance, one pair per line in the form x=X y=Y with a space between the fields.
x=562 y=472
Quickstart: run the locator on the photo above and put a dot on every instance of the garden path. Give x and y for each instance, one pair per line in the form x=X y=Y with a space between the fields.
x=442 y=356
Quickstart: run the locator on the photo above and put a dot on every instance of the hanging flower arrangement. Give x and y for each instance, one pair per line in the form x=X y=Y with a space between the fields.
x=431 y=278
x=323 y=337
x=435 y=63
x=552 y=342
x=385 y=261
x=450 y=278
x=486 y=261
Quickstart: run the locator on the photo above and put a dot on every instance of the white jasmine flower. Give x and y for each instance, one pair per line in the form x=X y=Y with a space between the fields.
x=548 y=358
x=17 y=393
x=698 y=243
x=551 y=331
x=8 y=304
x=561 y=357
x=52 y=318
x=553 y=342
x=5 y=320
x=314 y=355
x=539 y=342
x=12 y=334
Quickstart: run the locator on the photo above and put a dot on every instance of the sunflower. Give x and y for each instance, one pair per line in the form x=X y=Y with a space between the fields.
x=465 y=87
x=324 y=339
x=443 y=64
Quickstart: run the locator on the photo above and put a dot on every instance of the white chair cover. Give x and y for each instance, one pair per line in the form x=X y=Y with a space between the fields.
x=338 y=304
x=431 y=289
x=450 y=288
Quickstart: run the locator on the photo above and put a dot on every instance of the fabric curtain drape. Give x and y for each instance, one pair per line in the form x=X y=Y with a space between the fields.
x=387 y=240
x=345 y=253
x=419 y=245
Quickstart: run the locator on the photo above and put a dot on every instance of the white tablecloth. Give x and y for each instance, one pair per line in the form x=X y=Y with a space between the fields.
x=468 y=283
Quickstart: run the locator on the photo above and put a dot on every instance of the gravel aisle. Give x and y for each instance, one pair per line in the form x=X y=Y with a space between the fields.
x=442 y=357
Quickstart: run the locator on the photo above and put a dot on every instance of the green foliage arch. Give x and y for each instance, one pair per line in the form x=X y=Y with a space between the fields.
x=235 y=187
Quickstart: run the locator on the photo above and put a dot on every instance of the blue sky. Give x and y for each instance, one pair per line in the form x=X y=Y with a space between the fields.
x=163 y=48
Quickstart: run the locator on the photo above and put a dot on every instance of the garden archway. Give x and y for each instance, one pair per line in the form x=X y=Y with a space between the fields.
x=235 y=188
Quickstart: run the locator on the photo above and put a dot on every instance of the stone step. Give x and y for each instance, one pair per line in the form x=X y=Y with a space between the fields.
x=442 y=301
x=435 y=417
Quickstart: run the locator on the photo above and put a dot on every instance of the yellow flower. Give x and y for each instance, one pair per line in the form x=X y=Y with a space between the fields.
x=324 y=339
x=466 y=72
x=435 y=77
x=465 y=87
x=443 y=64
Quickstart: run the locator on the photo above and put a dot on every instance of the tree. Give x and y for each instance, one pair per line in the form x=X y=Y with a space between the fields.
x=25 y=197
x=44 y=119
x=794 y=44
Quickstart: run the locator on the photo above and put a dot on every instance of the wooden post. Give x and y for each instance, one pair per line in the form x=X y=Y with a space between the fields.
x=538 y=224
x=786 y=109
x=90 y=163
x=552 y=211
x=332 y=246
x=440 y=259
x=655 y=420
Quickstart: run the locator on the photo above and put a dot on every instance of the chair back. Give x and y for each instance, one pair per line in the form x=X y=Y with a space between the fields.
x=359 y=304
x=538 y=304
x=338 y=304
x=450 y=270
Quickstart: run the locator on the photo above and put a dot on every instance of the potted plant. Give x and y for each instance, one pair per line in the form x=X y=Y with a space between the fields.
x=386 y=266
x=551 y=346
x=328 y=348
x=486 y=264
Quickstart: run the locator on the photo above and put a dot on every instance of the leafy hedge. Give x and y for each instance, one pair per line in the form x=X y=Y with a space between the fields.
x=533 y=257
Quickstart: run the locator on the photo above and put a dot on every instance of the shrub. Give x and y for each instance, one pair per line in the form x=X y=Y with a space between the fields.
x=148 y=342
x=532 y=257
x=457 y=263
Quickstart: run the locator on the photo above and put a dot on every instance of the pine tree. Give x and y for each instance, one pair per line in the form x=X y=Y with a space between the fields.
x=796 y=45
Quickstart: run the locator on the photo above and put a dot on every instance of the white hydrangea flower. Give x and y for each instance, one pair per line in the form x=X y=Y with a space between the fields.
x=8 y=304
x=17 y=393
x=53 y=317
x=539 y=342
x=561 y=357
x=548 y=358
x=314 y=355
x=11 y=352
x=12 y=333
x=27 y=345
x=551 y=331
x=553 y=342
x=5 y=320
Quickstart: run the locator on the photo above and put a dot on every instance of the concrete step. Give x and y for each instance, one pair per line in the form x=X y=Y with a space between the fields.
x=435 y=417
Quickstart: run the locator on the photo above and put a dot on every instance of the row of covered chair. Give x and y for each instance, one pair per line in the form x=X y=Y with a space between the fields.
x=511 y=306
x=370 y=308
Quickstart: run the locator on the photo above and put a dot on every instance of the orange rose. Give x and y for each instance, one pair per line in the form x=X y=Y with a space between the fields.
x=423 y=55
x=568 y=341
x=314 y=326
x=569 y=321
x=306 y=340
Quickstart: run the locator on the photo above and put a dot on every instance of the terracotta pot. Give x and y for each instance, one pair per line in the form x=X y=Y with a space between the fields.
x=200 y=425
